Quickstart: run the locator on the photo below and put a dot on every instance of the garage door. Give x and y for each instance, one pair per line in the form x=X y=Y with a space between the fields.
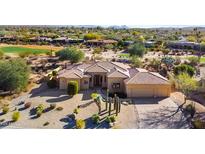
x=142 y=92
x=148 y=91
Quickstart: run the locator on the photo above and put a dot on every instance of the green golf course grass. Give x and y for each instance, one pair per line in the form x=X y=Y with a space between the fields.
x=17 y=49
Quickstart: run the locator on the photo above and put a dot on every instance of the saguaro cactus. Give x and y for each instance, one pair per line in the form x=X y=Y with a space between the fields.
x=110 y=103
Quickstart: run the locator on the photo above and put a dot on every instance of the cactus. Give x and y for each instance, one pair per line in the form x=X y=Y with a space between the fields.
x=110 y=100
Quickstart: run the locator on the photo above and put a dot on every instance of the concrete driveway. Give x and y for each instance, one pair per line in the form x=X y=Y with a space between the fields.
x=159 y=113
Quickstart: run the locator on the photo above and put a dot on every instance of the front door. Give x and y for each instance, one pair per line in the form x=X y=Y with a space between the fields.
x=97 y=80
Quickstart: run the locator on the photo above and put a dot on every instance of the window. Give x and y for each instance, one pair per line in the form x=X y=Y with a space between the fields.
x=116 y=85
x=85 y=82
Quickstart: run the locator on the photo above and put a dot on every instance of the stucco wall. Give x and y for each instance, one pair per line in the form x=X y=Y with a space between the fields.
x=63 y=82
x=116 y=80
x=84 y=84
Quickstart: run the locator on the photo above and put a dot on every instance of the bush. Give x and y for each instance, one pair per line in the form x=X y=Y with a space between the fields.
x=52 y=106
x=91 y=36
x=1 y=54
x=2 y=120
x=113 y=118
x=137 y=49
x=24 y=54
x=52 y=83
x=16 y=116
x=198 y=124
x=193 y=60
x=59 y=108
x=27 y=105
x=96 y=119
x=39 y=110
x=5 y=109
x=80 y=124
x=94 y=95
x=72 y=88
x=108 y=120
x=73 y=54
x=76 y=111
x=136 y=62
x=183 y=68
x=191 y=109
x=46 y=123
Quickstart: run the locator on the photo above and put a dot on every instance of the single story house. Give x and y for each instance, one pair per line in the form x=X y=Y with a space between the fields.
x=117 y=77
x=100 y=42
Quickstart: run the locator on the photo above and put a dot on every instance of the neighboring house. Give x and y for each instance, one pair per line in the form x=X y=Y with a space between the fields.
x=100 y=42
x=116 y=77
x=183 y=45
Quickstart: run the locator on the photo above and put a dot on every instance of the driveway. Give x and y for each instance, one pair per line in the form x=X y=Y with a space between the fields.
x=159 y=113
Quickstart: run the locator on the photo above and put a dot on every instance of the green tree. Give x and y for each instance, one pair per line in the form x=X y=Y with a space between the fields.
x=73 y=54
x=183 y=68
x=186 y=84
x=137 y=49
x=14 y=75
x=92 y=36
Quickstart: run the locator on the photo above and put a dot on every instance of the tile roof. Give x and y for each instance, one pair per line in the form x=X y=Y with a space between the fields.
x=131 y=75
x=146 y=78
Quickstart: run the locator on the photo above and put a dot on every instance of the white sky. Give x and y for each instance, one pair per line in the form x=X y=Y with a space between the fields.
x=103 y=12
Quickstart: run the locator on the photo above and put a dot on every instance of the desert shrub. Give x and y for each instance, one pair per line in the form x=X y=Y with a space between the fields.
x=27 y=105
x=39 y=110
x=113 y=118
x=183 y=68
x=73 y=54
x=97 y=51
x=72 y=116
x=5 y=109
x=92 y=36
x=193 y=60
x=137 y=49
x=16 y=116
x=46 y=123
x=52 y=106
x=136 y=62
x=1 y=54
x=80 y=124
x=24 y=54
x=2 y=120
x=191 y=109
x=72 y=88
x=96 y=119
x=94 y=95
x=59 y=108
x=108 y=120
x=198 y=124
x=76 y=111
x=52 y=83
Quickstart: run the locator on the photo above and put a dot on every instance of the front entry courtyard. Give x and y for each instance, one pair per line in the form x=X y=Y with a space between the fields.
x=142 y=113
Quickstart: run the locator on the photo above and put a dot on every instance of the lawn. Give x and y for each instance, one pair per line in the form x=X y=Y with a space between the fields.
x=18 y=49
